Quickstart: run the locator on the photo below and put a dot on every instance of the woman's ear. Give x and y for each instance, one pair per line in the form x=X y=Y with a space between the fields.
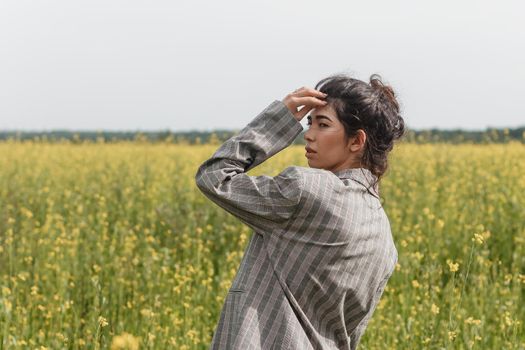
x=357 y=142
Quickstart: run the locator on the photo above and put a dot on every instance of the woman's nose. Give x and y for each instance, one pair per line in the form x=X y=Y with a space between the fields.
x=308 y=135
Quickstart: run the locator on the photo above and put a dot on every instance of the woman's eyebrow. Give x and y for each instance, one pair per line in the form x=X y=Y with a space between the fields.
x=319 y=117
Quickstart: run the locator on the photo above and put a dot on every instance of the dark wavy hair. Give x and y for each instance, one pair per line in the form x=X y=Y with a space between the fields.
x=371 y=107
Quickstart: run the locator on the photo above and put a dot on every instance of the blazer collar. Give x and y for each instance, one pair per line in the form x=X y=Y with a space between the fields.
x=360 y=175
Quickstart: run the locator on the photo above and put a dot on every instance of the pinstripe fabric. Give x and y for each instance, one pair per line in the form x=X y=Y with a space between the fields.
x=322 y=249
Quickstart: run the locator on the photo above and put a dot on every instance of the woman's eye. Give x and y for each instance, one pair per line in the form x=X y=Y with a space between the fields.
x=321 y=124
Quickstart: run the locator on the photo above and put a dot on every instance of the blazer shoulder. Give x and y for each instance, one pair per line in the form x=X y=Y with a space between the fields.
x=319 y=176
x=314 y=180
x=305 y=175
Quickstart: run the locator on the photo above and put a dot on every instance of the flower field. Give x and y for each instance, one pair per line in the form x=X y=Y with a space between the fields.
x=112 y=246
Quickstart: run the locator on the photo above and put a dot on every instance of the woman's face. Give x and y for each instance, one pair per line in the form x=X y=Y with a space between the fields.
x=326 y=136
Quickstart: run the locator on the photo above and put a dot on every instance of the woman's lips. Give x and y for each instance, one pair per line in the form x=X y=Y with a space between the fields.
x=309 y=151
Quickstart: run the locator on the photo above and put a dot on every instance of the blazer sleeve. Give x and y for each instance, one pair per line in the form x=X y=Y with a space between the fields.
x=261 y=202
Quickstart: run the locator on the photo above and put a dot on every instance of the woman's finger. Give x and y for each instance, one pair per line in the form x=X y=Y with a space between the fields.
x=304 y=96
x=307 y=91
x=308 y=100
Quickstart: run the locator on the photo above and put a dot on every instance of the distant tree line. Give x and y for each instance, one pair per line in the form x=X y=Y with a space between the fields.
x=457 y=136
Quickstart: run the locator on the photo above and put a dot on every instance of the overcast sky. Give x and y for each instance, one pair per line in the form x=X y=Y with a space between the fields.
x=204 y=65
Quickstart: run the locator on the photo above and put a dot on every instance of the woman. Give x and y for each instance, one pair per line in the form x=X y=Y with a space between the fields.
x=322 y=249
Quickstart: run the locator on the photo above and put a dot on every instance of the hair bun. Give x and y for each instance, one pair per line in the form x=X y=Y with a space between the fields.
x=377 y=83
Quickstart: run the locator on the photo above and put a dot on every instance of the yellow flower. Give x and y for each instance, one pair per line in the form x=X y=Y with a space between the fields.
x=508 y=320
x=125 y=341
x=192 y=335
x=147 y=313
x=415 y=284
x=102 y=321
x=435 y=309
x=452 y=335
x=418 y=255
x=177 y=322
x=452 y=266
x=471 y=320
x=8 y=306
x=26 y=212
x=23 y=275
x=478 y=238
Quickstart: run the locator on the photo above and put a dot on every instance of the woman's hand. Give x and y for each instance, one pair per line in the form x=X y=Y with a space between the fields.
x=305 y=96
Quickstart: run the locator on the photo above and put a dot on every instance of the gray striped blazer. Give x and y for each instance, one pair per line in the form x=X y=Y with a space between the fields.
x=321 y=252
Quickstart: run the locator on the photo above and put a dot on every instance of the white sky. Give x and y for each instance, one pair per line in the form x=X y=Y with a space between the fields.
x=196 y=65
